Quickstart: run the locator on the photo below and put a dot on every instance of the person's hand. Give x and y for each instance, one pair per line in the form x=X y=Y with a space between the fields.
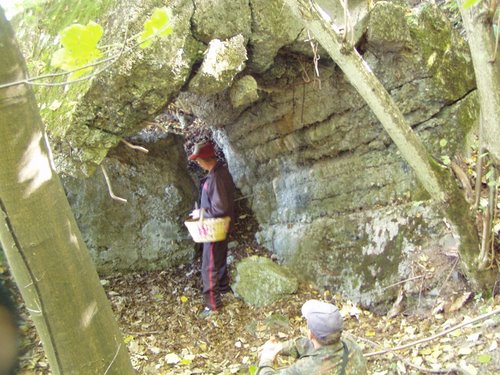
x=269 y=351
x=195 y=214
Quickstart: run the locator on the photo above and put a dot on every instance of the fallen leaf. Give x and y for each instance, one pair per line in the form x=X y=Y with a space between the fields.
x=172 y=358
x=458 y=303
x=464 y=350
x=425 y=351
x=474 y=337
x=370 y=333
x=55 y=105
x=128 y=338
x=493 y=346
x=438 y=309
x=467 y=369
x=484 y=358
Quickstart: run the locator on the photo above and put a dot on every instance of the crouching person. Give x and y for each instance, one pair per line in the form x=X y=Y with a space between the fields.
x=324 y=351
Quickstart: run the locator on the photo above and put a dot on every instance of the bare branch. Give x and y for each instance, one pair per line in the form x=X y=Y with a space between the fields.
x=479 y=171
x=488 y=220
x=464 y=180
x=408 y=363
x=404 y=281
x=111 y=194
x=316 y=57
x=348 y=29
x=449 y=274
x=496 y=40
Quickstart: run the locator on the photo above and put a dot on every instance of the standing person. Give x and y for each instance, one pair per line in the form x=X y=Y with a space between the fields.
x=324 y=351
x=217 y=200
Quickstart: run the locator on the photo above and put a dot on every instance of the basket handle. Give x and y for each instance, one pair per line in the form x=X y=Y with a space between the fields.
x=202 y=213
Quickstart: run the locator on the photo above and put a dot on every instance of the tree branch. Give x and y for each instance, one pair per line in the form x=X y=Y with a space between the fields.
x=403 y=281
x=427 y=339
x=408 y=363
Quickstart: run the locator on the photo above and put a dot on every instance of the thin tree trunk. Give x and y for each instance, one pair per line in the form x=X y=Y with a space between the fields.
x=481 y=38
x=478 y=22
x=437 y=180
x=44 y=248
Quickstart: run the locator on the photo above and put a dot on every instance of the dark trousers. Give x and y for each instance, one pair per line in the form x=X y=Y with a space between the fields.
x=214 y=273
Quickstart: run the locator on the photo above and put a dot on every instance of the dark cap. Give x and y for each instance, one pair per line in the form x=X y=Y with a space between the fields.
x=322 y=318
x=203 y=150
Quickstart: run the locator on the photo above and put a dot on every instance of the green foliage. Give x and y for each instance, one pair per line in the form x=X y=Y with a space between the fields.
x=157 y=25
x=80 y=42
x=79 y=48
x=470 y=3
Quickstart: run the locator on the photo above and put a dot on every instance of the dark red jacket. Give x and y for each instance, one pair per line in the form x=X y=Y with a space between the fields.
x=217 y=193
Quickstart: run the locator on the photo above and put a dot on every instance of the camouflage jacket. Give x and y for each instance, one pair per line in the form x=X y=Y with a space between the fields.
x=324 y=360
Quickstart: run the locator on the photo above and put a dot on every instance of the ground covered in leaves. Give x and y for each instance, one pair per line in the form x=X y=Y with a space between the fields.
x=158 y=314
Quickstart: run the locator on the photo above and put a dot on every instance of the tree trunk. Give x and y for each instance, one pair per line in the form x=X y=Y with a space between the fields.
x=481 y=38
x=437 y=180
x=42 y=243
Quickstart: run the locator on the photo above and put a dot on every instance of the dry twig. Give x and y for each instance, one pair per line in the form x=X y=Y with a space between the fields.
x=135 y=147
x=427 y=339
x=404 y=281
x=114 y=359
x=111 y=194
x=408 y=363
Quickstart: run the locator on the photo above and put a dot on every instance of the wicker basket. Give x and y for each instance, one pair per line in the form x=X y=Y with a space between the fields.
x=208 y=230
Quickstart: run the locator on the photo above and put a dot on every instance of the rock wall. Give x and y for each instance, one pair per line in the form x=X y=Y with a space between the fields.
x=147 y=231
x=333 y=197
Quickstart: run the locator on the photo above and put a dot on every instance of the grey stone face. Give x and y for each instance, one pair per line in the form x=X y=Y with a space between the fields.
x=147 y=231
x=221 y=19
x=335 y=200
x=333 y=197
x=222 y=62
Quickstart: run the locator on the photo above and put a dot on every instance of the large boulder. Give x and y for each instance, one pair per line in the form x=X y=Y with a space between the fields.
x=259 y=281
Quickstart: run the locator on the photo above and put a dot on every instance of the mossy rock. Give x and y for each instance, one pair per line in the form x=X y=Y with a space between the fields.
x=260 y=281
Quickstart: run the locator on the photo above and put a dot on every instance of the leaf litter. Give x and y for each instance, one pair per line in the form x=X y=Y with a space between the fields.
x=158 y=315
